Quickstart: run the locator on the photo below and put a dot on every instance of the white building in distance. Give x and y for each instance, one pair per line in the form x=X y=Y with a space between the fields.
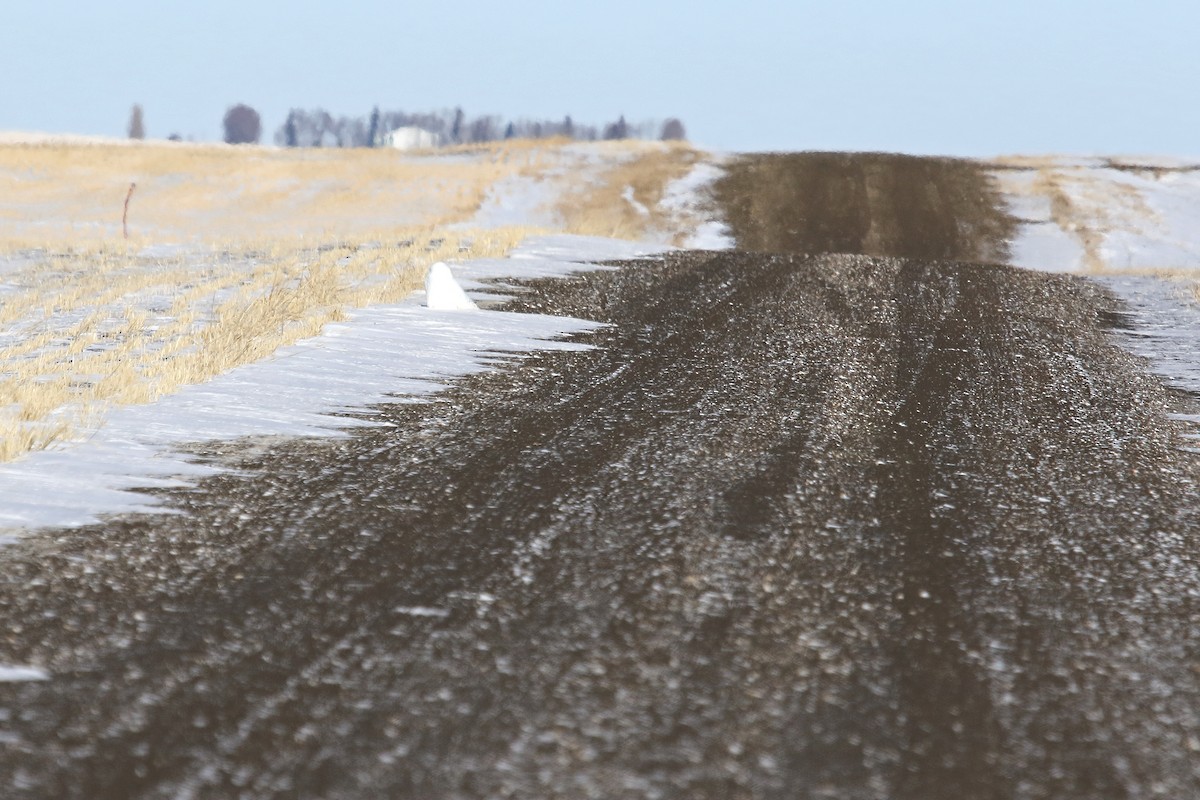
x=411 y=138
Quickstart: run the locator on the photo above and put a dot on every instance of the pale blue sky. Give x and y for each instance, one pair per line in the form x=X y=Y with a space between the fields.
x=923 y=76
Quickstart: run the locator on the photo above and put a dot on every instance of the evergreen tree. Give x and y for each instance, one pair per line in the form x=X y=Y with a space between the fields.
x=373 y=128
x=456 y=127
x=137 y=128
x=617 y=130
x=290 y=137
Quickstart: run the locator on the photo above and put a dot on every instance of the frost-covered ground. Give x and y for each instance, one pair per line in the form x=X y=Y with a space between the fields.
x=1133 y=224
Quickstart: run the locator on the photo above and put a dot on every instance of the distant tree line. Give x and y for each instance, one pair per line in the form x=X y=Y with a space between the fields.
x=319 y=128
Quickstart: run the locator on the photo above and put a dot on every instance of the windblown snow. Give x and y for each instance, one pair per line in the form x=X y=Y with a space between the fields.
x=383 y=354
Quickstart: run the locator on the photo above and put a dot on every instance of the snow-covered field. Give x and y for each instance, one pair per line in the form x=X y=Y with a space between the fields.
x=1105 y=215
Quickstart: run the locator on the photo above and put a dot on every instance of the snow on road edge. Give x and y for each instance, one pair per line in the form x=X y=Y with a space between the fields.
x=1121 y=221
x=688 y=200
x=394 y=353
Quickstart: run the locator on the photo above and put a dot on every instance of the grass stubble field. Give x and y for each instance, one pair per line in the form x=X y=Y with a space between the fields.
x=234 y=252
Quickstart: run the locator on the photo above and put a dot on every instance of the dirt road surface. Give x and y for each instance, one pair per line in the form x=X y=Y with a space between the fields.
x=800 y=526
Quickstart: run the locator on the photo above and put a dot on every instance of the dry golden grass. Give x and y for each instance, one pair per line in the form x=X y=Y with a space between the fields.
x=235 y=252
x=1072 y=216
x=159 y=324
x=201 y=193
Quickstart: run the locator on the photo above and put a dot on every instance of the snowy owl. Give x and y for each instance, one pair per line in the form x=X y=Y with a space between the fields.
x=442 y=292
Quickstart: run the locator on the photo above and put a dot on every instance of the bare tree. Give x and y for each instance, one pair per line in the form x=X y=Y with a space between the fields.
x=318 y=128
x=137 y=128
x=242 y=125
x=483 y=129
x=325 y=129
x=617 y=130
x=672 y=130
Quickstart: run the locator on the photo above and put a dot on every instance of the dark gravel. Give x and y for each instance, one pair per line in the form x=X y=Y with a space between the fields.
x=879 y=204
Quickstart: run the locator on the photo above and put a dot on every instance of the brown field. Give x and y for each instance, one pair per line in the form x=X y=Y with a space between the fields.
x=234 y=252
x=869 y=203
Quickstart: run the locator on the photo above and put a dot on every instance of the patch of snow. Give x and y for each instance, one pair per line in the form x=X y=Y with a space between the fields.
x=516 y=201
x=1040 y=243
x=1163 y=230
x=711 y=235
x=689 y=201
x=638 y=207
x=393 y=353
x=1140 y=216
x=1046 y=247
x=529 y=200
x=683 y=192
x=10 y=673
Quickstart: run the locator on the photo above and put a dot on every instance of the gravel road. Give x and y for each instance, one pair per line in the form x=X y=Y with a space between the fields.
x=842 y=525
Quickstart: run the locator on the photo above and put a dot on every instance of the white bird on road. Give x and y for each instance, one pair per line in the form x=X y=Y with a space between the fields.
x=442 y=292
